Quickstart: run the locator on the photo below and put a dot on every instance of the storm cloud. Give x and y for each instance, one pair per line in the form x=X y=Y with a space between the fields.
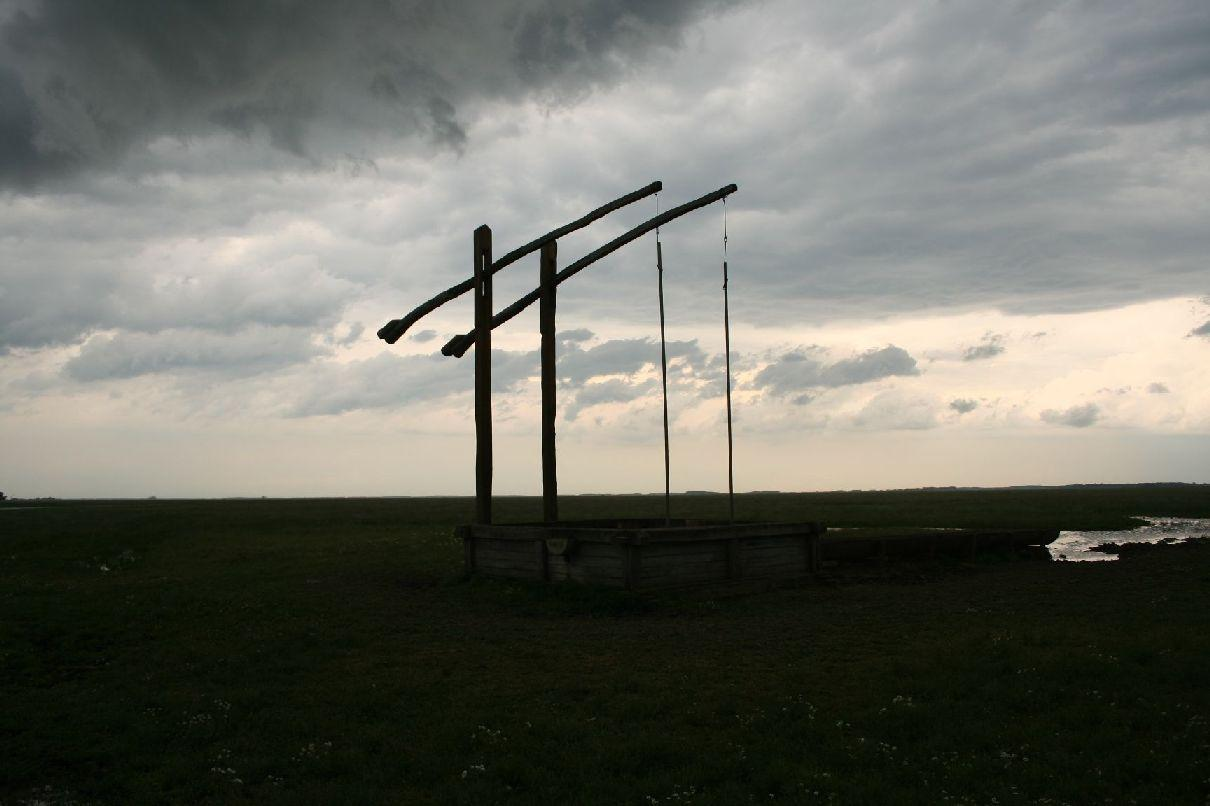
x=216 y=204
x=83 y=83
x=876 y=178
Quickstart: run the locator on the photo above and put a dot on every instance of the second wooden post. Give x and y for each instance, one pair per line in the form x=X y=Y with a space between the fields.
x=546 y=324
x=483 y=374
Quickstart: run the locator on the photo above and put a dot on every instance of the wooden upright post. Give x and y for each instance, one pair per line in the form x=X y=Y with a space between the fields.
x=483 y=374
x=546 y=319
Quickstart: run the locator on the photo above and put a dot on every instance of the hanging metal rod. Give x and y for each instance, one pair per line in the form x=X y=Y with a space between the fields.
x=458 y=345
x=393 y=330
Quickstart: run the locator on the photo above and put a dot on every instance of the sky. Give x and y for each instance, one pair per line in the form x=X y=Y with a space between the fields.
x=969 y=245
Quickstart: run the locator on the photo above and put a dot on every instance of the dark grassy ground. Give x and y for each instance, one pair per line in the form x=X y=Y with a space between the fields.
x=329 y=651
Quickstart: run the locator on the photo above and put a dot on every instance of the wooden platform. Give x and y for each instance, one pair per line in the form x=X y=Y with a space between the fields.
x=637 y=554
x=644 y=554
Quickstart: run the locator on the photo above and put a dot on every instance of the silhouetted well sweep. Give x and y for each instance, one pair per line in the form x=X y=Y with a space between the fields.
x=485 y=322
x=641 y=553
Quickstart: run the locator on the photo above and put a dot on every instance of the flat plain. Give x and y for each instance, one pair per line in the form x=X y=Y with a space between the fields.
x=331 y=651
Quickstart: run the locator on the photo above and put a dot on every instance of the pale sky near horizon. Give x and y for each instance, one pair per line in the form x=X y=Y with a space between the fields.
x=969 y=245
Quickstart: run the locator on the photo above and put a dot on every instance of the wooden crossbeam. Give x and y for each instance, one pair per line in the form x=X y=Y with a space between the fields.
x=394 y=329
x=458 y=345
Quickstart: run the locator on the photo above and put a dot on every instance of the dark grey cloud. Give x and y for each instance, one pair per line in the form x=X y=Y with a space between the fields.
x=1075 y=417
x=21 y=160
x=423 y=336
x=869 y=366
x=612 y=390
x=577 y=365
x=891 y=182
x=1157 y=388
x=902 y=182
x=964 y=405
x=82 y=83
x=991 y=346
x=129 y=355
x=1201 y=330
x=798 y=370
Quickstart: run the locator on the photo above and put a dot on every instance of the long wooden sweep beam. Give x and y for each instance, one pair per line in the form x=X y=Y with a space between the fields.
x=393 y=330
x=458 y=345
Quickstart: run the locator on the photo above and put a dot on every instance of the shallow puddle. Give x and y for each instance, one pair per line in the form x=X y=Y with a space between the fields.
x=1077 y=546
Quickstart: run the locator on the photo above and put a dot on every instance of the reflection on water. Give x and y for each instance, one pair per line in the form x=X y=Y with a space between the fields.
x=1075 y=546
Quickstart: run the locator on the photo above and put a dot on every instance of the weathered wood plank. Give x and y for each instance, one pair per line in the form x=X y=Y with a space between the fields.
x=758 y=565
x=752 y=567
x=794 y=547
x=673 y=562
x=598 y=550
x=670 y=565
x=778 y=541
x=712 y=549
x=799 y=561
x=764 y=562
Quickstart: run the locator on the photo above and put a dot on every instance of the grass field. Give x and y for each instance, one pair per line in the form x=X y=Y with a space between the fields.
x=329 y=651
